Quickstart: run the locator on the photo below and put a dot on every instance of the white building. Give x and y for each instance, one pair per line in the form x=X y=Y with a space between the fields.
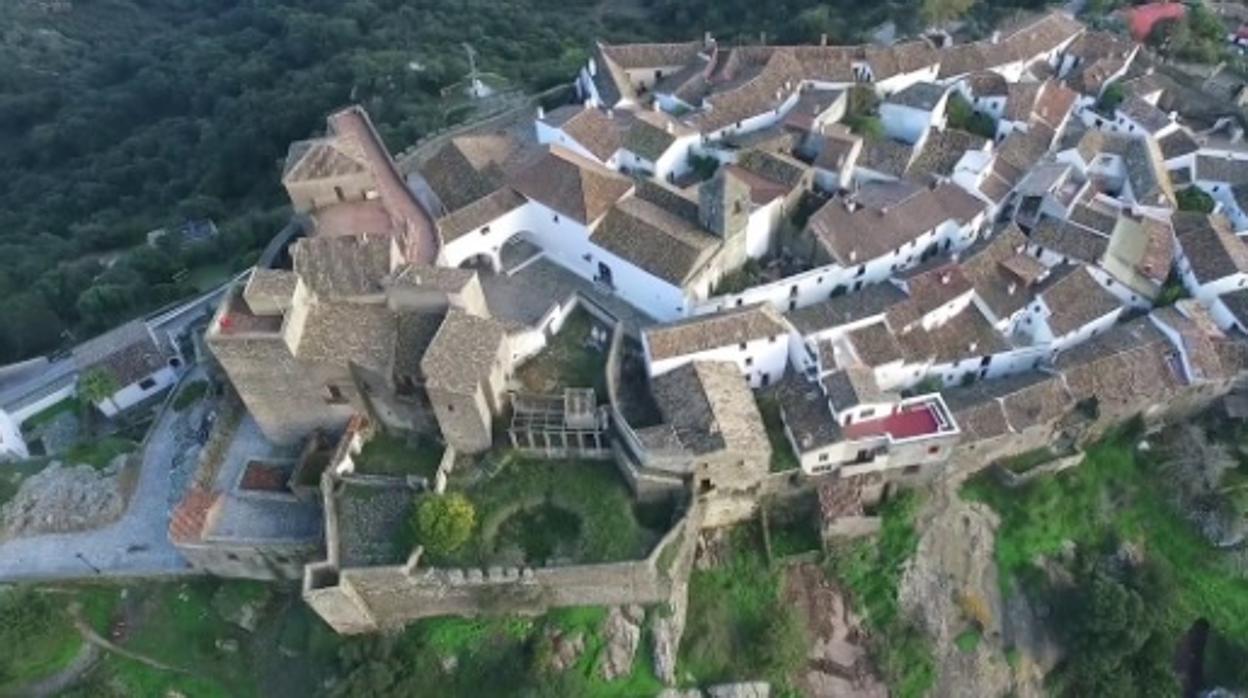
x=908 y=114
x=1211 y=261
x=755 y=338
x=133 y=358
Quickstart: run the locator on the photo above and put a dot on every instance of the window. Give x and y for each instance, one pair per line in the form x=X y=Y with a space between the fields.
x=911 y=470
x=773 y=338
x=333 y=395
x=147 y=384
x=1109 y=283
x=450 y=407
x=555 y=218
x=742 y=346
x=933 y=449
x=749 y=361
x=766 y=379
x=985 y=361
x=485 y=230
x=231 y=557
x=823 y=457
x=862 y=269
x=867 y=413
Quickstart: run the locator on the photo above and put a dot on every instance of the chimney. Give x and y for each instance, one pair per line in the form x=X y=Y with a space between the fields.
x=707 y=40
x=541 y=113
x=610 y=113
x=593 y=68
x=996 y=37
x=667 y=126
x=762 y=38
x=944 y=278
x=1009 y=290
x=823 y=39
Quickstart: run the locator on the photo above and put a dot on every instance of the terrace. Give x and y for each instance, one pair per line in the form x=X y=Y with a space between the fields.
x=236 y=318
x=915 y=418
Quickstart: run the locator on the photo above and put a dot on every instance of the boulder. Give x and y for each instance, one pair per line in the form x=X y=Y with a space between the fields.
x=565 y=649
x=667 y=632
x=753 y=689
x=621 y=633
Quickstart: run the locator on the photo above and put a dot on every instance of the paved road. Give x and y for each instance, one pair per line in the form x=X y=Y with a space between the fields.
x=135 y=544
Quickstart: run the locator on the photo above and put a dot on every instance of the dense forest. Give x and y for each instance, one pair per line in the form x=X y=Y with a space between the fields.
x=121 y=116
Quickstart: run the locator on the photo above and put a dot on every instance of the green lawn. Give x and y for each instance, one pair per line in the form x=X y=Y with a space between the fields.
x=100 y=452
x=69 y=404
x=735 y=612
x=606 y=525
x=567 y=362
x=385 y=454
x=41 y=640
x=1119 y=494
x=871 y=569
x=782 y=455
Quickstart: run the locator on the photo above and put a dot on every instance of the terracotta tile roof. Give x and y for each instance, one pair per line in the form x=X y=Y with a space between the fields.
x=838 y=150
x=347 y=266
x=920 y=95
x=479 y=213
x=966 y=335
x=986 y=83
x=655 y=240
x=572 y=185
x=338 y=334
x=469 y=167
x=763 y=91
x=804 y=408
x=872 y=300
x=989 y=408
x=595 y=131
x=656 y=55
x=321 y=158
x=941 y=152
x=991 y=266
x=1133 y=361
x=1237 y=303
x=270 y=290
x=705 y=332
x=1075 y=299
x=850 y=387
x=855 y=237
x=886 y=156
x=462 y=352
x=810 y=105
x=710 y=408
x=1221 y=169
x=187 y=522
x=1073 y=242
x=650 y=134
x=1198 y=334
x=129 y=353
x=1177 y=143
x=1210 y=246
x=875 y=344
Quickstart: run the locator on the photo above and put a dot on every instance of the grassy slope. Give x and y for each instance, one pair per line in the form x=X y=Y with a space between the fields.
x=1118 y=493
x=872 y=569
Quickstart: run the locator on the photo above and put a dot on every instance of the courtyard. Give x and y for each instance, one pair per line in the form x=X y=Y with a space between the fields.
x=576 y=357
x=541 y=512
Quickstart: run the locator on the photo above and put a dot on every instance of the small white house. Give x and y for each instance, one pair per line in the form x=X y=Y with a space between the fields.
x=755 y=338
x=12 y=445
x=908 y=114
x=132 y=358
x=1211 y=260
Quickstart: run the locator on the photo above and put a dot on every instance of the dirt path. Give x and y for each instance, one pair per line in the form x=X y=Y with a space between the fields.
x=95 y=639
x=837 y=664
x=71 y=674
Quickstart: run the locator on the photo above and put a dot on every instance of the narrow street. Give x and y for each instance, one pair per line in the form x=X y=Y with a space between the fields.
x=135 y=544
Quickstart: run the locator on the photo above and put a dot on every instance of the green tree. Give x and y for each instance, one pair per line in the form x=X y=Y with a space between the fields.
x=1194 y=199
x=98 y=387
x=445 y=522
x=937 y=12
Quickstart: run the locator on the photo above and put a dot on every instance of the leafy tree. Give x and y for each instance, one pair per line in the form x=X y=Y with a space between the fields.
x=445 y=522
x=1110 y=98
x=98 y=387
x=962 y=116
x=1194 y=199
x=1113 y=633
x=938 y=12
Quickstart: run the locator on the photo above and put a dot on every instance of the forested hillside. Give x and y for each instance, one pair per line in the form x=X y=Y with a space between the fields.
x=121 y=116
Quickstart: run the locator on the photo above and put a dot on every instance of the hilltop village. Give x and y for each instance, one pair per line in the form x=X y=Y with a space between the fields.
x=795 y=269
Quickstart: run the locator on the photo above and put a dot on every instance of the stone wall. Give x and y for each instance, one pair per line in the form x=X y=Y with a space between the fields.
x=358 y=600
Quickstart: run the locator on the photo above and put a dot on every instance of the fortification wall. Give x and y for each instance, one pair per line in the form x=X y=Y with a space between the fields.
x=357 y=600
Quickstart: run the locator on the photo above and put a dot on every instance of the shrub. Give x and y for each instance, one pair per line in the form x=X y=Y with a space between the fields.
x=968 y=640
x=445 y=522
x=192 y=393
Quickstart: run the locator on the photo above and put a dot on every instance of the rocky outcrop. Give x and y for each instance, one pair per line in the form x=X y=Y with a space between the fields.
x=838 y=664
x=950 y=586
x=621 y=633
x=667 y=631
x=754 y=689
x=60 y=499
x=565 y=649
